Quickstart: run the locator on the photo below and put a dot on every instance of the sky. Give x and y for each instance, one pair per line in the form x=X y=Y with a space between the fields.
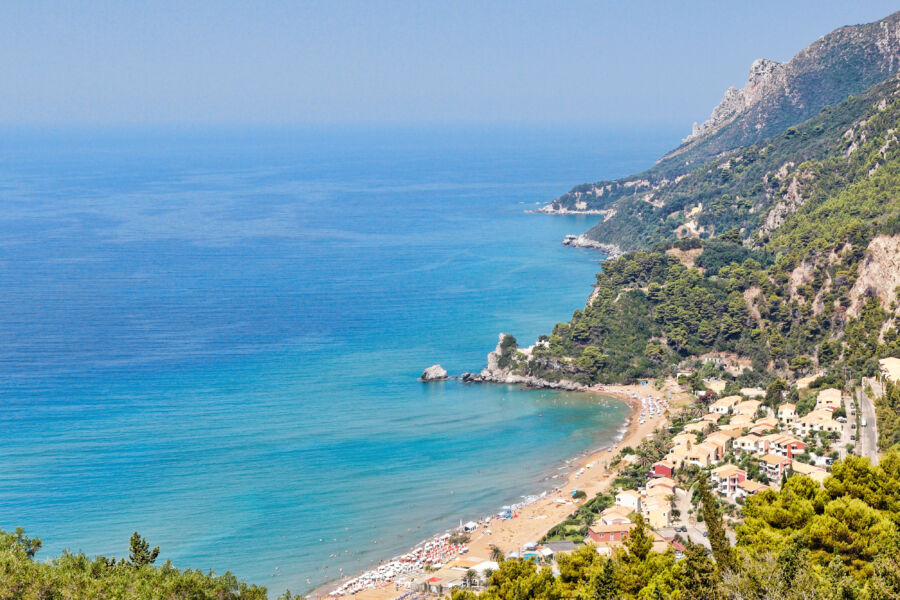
x=223 y=62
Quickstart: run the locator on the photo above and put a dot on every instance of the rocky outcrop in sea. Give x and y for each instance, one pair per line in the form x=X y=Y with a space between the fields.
x=494 y=373
x=434 y=373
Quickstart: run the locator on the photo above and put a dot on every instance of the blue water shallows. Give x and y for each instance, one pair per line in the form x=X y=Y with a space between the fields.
x=213 y=337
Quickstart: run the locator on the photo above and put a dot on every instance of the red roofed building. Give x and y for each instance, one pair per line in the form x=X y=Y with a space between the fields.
x=663 y=468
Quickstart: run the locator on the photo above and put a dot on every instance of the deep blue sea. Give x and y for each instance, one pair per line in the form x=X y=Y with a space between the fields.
x=213 y=337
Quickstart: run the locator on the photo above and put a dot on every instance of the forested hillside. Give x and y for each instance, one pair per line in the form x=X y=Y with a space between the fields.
x=790 y=295
x=782 y=257
x=732 y=173
x=804 y=541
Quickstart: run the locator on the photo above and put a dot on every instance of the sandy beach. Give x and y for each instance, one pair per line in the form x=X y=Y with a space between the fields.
x=537 y=518
x=590 y=473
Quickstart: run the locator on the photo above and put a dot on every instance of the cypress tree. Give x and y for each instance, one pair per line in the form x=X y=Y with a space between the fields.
x=721 y=549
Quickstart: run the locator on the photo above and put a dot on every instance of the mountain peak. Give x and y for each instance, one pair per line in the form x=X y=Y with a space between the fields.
x=778 y=95
x=765 y=75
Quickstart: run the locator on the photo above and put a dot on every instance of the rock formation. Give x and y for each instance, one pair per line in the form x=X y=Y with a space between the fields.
x=494 y=373
x=434 y=373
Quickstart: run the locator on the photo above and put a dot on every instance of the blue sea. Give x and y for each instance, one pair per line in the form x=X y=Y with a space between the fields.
x=213 y=337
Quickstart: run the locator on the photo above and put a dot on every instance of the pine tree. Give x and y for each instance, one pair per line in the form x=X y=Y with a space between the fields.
x=601 y=585
x=698 y=575
x=140 y=553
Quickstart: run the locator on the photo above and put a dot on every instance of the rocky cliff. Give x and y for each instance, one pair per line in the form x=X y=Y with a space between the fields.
x=775 y=98
x=778 y=95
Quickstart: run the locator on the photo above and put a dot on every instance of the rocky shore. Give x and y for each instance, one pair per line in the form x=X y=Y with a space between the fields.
x=550 y=209
x=612 y=251
x=494 y=373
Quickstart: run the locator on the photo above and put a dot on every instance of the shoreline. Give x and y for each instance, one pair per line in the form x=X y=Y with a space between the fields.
x=536 y=514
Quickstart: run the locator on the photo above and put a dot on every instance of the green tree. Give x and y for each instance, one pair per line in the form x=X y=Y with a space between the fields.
x=773 y=392
x=601 y=585
x=712 y=517
x=31 y=545
x=591 y=361
x=140 y=553
x=639 y=542
x=699 y=577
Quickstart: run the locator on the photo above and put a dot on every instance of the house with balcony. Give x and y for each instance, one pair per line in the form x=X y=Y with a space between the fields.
x=746 y=443
x=828 y=399
x=784 y=445
x=657 y=511
x=702 y=455
x=774 y=466
x=787 y=414
x=725 y=479
x=609 y=533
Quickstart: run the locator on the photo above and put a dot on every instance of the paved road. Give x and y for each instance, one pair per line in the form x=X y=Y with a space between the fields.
x=695 y=530
x=868 y=435
x=846 y=432
x=694 y=533
x=683 y=504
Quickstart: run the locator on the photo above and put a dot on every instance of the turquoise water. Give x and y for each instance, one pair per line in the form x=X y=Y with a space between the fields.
x=214 y=337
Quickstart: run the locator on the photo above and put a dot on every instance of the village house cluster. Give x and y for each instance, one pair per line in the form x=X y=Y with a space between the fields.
x=743 y=445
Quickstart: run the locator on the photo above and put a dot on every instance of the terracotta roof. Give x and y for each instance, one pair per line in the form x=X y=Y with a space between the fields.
x=665 y=481
x=727 y=470
x=774 y=460
x=752 y=486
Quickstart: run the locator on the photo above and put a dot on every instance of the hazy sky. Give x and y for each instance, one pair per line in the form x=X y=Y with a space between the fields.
x=279 y=62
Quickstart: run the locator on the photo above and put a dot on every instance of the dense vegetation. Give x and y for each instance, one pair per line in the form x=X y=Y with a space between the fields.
x=781 y=297
x=840 y=542
x=753 y=251
x=887 y=414
x=731 y=170
x=768 y=274
x=76 y=576
x=735 y=190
